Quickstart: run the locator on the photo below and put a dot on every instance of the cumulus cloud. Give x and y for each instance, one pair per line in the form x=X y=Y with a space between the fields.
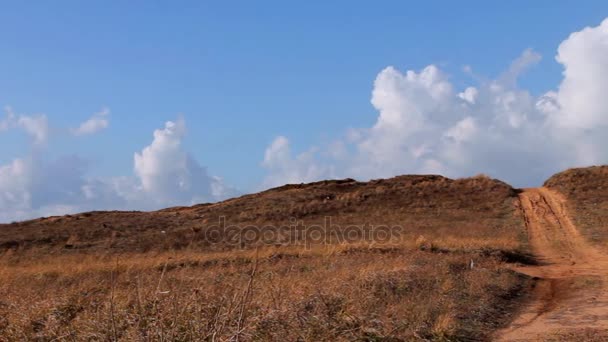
x=30 y=187
x=582 y=93
x=164 y=175
x=14 y=182
x=168 y=175
x=285 y=168
x=96 y=123
x=426 y=125
x=577 y=112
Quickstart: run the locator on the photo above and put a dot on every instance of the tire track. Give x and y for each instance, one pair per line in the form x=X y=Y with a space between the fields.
x=572 y=293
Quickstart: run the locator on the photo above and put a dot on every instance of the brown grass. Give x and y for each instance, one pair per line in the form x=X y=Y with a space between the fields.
x=321 y=294
x=117 y=276
x=586 y=191
x=587 y=335
x=469 y=209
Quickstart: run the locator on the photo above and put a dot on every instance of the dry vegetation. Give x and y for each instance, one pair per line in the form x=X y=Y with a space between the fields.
x=475 y=210
x=587 y=335
x=157 y=276
x=321 y=294
x=587 y=193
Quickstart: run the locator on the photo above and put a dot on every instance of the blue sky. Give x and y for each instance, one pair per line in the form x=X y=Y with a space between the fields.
x=243 y=73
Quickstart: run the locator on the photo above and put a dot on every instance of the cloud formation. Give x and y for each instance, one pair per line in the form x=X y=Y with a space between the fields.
x=96 y=123
x=301 y=168
x=164 y=175
x=36 y=126
x=168 y=175
x=425 y=125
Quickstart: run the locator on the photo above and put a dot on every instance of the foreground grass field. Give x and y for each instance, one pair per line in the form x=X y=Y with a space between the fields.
x=438 y=271
x=327 y=293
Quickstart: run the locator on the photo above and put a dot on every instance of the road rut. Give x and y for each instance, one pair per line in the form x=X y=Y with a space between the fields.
x=572 y=293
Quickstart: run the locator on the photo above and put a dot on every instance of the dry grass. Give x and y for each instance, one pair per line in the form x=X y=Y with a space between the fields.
x=469 y=209
x=322 y=294
x=587 y=335
x=586 y=191
x=156 y=276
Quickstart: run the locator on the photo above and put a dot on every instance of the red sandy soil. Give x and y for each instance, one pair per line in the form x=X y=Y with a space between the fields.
x=572 y=295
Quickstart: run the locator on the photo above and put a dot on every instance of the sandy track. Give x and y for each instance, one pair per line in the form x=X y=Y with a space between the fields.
x=572 y=294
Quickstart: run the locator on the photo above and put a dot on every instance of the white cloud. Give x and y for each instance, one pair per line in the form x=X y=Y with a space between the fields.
x=160 y=165
x=284 y=168
x=14 y=182
x=463 y=131
x=32 y=187
x=425 y=125
x=165 y=175
x=278 y=153
x=582 y=93
x=169 y=176
x=96 y=123
x=470 y=95
x=36 y=126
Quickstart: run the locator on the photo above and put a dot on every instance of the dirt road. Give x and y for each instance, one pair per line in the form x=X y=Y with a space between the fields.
x=572 y=294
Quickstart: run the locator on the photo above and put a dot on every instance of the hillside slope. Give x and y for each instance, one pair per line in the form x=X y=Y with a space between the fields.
x=407 y=258
x=587 y=192
x=465 y=209
x=400 y=259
